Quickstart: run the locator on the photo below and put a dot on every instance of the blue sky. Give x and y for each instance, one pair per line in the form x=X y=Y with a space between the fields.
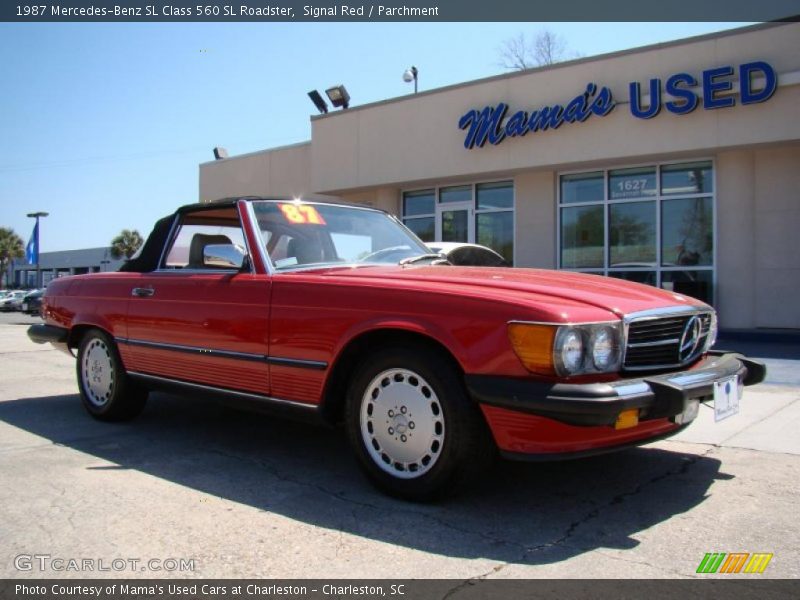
x=104 y=125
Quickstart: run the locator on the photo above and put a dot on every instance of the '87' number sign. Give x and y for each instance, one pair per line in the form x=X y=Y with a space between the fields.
x=302 y=214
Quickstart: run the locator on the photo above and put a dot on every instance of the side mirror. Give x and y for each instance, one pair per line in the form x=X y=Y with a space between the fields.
x=224 y=256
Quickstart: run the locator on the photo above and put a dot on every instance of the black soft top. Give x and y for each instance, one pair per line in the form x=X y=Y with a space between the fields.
x=148 y=258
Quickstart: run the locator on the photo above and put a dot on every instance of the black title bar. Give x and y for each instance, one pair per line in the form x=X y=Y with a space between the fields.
x=394 y=10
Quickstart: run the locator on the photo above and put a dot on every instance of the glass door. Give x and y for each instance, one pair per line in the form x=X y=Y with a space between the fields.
x=455 y=223
x=455 y=215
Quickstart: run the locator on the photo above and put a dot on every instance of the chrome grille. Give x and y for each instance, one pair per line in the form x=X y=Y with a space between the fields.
x=654 y=342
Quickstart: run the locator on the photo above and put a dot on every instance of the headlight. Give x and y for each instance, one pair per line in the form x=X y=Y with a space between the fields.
x=605 y=348
x=567 y=350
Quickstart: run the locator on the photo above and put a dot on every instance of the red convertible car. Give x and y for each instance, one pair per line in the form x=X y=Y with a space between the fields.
x=340 y=313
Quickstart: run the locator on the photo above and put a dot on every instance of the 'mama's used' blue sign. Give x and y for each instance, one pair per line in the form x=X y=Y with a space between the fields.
x=490 y=124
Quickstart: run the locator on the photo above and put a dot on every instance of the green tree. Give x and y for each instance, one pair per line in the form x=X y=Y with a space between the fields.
x=126 y=243
x=11 y=247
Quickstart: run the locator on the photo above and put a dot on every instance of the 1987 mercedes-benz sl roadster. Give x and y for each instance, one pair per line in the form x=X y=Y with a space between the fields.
x=339 y=312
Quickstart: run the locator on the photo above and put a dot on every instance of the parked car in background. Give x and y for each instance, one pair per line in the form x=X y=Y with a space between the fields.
x=468 y=255
x=339 y=313
x=12 y=301
x=32 y=302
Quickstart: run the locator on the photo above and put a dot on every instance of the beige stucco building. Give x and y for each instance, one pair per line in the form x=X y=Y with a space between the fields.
x=701 y=199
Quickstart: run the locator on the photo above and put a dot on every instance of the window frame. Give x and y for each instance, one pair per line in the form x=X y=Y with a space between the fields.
x=178 y=222
x=473 y=185
x=404 y=218
x=658 y=199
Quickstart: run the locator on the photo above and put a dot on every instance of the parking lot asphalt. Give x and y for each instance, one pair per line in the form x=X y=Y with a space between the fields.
x=243 y=495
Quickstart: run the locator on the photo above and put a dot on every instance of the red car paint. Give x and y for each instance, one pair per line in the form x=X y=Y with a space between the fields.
x=315 y=314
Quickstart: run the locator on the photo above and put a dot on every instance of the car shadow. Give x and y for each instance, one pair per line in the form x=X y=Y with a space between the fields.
x=526 y=513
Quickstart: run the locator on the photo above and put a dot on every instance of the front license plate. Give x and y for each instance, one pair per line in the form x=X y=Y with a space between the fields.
x=24 y=307
x=726 y=399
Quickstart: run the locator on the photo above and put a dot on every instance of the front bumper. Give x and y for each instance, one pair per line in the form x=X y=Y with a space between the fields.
x=43 y=334
x=599 y=404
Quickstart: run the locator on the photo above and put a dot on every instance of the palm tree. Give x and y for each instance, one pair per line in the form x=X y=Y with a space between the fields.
x=126 y=243
x=11 y=247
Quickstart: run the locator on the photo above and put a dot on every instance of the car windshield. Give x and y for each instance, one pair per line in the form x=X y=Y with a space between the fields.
x=300 y=234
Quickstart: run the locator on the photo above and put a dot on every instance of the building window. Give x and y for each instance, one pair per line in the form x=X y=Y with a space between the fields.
x=494 y=208
x=480 y=213
x=652 y=224
x=419 y=213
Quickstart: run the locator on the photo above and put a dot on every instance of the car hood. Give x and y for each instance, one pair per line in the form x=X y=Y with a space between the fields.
x=614 y=295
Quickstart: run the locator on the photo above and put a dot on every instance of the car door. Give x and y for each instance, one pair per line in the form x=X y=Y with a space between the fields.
x=193 y=322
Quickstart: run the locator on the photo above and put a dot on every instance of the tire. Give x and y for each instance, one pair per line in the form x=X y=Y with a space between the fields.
x=414 y=430
x=106 y=391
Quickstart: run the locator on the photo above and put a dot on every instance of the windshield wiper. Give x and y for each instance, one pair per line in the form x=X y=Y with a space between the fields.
x=413 y=259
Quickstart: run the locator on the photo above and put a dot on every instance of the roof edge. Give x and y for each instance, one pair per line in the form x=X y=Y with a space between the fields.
x=257 y=152
x=561 y=65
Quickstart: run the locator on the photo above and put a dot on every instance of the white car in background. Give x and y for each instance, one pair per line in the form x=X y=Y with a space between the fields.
x=12 y=301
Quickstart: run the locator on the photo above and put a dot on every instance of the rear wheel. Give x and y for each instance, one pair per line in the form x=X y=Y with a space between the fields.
x=106 y=391
x=416 y=433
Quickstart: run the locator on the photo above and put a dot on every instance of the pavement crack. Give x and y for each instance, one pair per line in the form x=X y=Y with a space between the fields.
x=474 y=580
x=620 y=498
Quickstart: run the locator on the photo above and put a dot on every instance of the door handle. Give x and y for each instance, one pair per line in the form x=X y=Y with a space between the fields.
x=142 y=292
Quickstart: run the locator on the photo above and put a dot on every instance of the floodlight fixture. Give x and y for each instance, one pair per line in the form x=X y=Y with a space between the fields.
x=338 y=96
x=318 y=101
x=220 y=153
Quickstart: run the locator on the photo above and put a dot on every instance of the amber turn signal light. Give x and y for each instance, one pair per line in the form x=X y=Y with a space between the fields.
x=533 y=345
x=627 y=419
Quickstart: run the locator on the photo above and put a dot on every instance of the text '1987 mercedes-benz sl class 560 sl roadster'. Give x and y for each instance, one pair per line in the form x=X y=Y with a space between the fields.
x=340 y=313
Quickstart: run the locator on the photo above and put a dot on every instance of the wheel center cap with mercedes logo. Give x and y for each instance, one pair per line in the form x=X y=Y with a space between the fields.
x=690 y=338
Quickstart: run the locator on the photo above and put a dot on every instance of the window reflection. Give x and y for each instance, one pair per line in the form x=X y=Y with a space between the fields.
x=687 y=178
x=461 y=193
x=418 y=203
x=496 y=230
x=424 y=228
x=582 y=236
x=687 y=232
x=696 y=284
x=632 y=233
x=582 y=187
x=454 y=226
x=495 y=195
x=659 y=218
x=648 y=277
